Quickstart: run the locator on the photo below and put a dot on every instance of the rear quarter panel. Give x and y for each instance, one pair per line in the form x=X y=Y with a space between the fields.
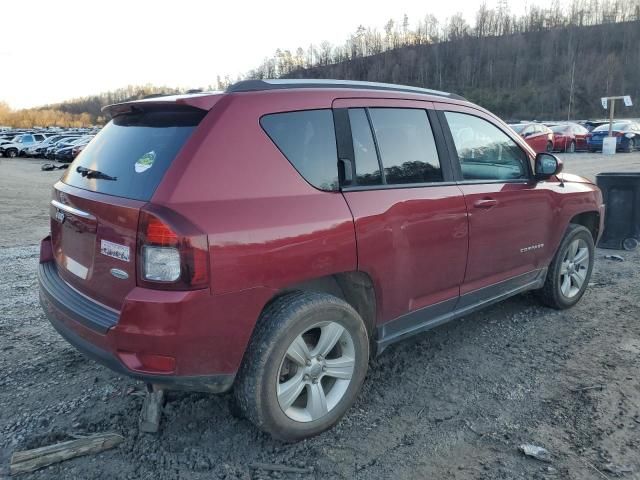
x=267 y=227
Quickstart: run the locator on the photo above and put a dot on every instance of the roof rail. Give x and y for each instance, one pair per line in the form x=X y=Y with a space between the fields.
x=280 y=84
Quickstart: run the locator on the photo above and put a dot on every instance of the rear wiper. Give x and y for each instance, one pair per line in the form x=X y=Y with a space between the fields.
x=87 y=172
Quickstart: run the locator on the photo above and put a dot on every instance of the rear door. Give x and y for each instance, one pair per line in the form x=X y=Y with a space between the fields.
x=95 y=206
x=510 y=215
x=410 y=217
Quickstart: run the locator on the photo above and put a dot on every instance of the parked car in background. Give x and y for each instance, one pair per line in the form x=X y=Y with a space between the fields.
x=69 y=151
x=274 y=250
x=66 y=141
x=36 y=149
x=538 y=136
x=569 y=137
x=12 y=148
x=592 y=124
x=626 y=133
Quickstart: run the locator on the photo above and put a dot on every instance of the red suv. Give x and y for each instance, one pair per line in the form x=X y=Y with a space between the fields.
x=271 y=238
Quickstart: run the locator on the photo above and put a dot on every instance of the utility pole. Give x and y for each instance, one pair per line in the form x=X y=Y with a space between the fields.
x=611 y=101
x=573 y=71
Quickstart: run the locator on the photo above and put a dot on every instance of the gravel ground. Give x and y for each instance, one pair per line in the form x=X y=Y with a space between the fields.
x=454 y=403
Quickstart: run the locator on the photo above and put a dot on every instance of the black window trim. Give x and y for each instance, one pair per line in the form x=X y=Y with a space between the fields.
x=333 y=119
x=455 y=160
x=448 y=176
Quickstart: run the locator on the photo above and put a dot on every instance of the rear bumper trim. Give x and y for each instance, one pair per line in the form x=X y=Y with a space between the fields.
x=202 y=383
x=83 y=310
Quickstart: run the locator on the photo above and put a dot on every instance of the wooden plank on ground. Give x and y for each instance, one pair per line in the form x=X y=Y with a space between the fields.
x=31 y=460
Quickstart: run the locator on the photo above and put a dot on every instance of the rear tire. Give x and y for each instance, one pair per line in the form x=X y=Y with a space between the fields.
x=11 y=153
x=632 y=145
x=304 y=365
x=570 y=270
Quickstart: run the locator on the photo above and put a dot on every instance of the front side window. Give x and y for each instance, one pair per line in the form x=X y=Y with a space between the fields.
x=406 y=145
x=485 y=152
x=307 y=139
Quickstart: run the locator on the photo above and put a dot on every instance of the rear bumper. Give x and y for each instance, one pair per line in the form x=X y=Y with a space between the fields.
x=97 y=331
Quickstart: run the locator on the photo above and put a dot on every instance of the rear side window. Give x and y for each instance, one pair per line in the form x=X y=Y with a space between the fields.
x=364 y=149
x=406 y=144
x=308 y=140
x=134 y=150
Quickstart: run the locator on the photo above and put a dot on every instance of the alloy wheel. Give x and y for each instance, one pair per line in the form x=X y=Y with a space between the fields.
x=316 y=371
x=574 y=268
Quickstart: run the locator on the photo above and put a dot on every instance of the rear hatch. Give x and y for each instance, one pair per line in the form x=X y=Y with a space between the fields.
x=96 y=205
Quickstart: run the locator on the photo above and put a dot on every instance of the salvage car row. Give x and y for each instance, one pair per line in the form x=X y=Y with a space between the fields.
x=61 y=145
x=571 y=137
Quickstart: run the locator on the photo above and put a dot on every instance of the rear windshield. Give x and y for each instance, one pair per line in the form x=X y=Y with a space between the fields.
x=132 y=152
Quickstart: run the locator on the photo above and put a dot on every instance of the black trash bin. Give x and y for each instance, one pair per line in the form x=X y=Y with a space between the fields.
x=621 y=192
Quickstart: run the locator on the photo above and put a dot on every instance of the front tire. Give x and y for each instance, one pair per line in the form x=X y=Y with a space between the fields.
x=569 y=273
x=304 y=365
x=12 y=153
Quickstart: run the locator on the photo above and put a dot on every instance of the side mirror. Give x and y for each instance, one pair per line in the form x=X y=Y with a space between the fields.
x=547 y=165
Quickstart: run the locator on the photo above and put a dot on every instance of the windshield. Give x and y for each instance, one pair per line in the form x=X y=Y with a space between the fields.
x=135 y=149
x=616 y=126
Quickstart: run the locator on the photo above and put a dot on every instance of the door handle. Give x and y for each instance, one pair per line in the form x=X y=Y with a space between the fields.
x=485 y=203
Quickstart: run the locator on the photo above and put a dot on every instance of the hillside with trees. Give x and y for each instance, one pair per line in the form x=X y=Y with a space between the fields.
x=550 y=63
x=77 y=112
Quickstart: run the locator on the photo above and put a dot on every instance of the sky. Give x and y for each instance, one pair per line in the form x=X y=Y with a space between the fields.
x=52 y=51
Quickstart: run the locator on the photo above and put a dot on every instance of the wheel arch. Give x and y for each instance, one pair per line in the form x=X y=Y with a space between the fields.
x=590 y=220
x=354 y=287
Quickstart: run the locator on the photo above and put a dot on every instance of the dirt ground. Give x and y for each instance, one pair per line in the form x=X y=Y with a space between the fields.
x=455 y=403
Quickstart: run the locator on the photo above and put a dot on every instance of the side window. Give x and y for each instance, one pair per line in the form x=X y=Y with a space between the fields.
x=39 y=138
x=308 y=140
x=406 y=145
x=27 y=139
x=364 y=149
x=485 y=152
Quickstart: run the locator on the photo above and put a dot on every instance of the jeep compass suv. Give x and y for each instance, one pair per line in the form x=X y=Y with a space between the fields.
x=272 y=238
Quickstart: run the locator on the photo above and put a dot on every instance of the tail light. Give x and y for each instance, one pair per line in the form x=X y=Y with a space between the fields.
x=173 y=254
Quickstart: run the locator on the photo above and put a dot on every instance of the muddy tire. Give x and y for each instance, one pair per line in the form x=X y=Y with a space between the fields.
x=304 y=365
x=11 y=153
x=569 y=273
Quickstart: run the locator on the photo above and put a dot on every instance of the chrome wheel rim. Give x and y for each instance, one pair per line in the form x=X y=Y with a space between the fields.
x=316 y=372
x=574 y=268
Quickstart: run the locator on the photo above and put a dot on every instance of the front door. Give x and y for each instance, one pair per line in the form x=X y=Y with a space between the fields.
x=510 y=215
x=410 y=216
